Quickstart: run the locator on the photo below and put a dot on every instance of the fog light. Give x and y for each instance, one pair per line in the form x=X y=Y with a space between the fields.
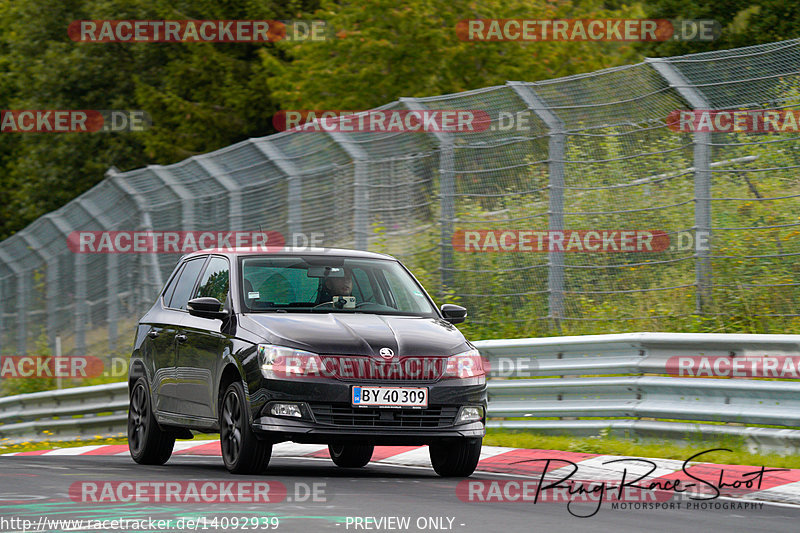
x=470 y=414
x=286 y=409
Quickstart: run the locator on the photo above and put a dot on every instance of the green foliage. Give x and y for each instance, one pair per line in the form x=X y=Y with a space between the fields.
x=507 y=293
x=201 y=97
x=743 y=23
x=23 y=385
x=386 y=50
x=681 y=450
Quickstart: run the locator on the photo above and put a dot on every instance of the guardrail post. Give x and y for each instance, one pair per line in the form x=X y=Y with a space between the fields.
x=360 y=188
x=447 y=193
x=555 y=162
x=294 y=184
x=702 y=181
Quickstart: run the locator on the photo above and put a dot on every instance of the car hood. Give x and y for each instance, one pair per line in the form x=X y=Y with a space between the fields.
x=358 y=333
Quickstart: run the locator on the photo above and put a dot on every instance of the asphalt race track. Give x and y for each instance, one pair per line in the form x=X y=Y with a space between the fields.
x=37 y=488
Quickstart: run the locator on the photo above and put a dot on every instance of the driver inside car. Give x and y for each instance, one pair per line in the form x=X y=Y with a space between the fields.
x=336 y=286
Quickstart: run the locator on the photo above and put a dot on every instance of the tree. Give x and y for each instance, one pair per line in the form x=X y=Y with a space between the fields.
x=201 y=97
x=743 y=23
x=386 y=50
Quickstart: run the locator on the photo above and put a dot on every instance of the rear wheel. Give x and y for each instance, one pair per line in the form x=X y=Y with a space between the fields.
x=242 y=451
x=147 y=442
x=351 y=455
x=455 y=459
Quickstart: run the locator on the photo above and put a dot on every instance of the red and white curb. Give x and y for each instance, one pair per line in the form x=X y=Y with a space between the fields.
x=780 y=486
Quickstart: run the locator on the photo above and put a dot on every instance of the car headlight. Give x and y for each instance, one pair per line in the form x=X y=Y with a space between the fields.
x=283 y=362
x=464 y=365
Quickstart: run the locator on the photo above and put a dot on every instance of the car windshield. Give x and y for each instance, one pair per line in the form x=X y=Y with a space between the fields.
x=330 y=284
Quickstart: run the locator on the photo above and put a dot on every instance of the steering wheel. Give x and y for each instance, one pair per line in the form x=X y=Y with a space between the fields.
x=323 y=303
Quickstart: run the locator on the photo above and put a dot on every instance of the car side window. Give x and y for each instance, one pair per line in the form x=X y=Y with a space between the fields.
x=170 y=289
x=216 y=280
x=183 y=289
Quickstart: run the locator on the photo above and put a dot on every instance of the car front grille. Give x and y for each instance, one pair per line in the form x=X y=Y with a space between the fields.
x=344 y=415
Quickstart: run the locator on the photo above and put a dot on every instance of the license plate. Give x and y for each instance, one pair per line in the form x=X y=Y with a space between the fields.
x=390 y=396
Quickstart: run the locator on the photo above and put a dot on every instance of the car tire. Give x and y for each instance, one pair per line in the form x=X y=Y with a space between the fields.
x=242 y=451
x=147 y=442
x=455 y=459
x=351 y=455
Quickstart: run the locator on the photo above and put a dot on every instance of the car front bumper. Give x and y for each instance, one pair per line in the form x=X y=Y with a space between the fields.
x=329 y=417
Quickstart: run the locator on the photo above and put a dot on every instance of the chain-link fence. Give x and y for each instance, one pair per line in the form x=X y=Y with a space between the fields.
x=596 y=153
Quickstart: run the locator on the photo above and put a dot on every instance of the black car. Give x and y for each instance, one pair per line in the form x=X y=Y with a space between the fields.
x=335 y=347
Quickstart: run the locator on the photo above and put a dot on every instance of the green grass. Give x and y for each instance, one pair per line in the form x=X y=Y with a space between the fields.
x=97 y=439
x=633 y=448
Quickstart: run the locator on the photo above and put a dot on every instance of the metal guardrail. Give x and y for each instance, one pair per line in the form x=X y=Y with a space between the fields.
x=639 y=399
x=65 y=414
x=558 y=385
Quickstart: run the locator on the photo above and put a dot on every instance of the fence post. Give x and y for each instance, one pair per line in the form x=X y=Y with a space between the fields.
x=447 y=193
x=555 y=162
x=702 y=181
x=360 y=188
x=112 y=272
x=294 y=185
x=146 y=223
x=80 y=304
x=51 y=283
x=19 y=274
x=234 y=190
x=64 y=228
x=188 y=218
x=2 y=318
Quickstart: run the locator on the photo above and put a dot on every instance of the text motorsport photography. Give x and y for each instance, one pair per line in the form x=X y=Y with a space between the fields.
x=632 y=484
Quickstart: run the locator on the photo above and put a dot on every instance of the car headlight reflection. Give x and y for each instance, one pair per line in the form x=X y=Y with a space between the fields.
x=284 y=362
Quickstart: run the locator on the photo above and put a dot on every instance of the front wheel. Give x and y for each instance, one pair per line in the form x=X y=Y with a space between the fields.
x=455 y=459
x=242 y=451
x=351 y=455
x=148 y=443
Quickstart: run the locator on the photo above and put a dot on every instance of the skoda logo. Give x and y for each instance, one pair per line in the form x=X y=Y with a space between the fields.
x=386 y=353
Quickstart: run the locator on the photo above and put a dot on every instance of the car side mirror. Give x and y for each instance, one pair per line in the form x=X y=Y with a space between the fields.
x=206 y=307
x=455 y=314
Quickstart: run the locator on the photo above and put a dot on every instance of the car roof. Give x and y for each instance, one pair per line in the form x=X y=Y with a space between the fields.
x=333 y=252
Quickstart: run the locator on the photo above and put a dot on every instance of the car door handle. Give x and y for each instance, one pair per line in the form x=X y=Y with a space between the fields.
x=153 y=334
x=180 y=338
